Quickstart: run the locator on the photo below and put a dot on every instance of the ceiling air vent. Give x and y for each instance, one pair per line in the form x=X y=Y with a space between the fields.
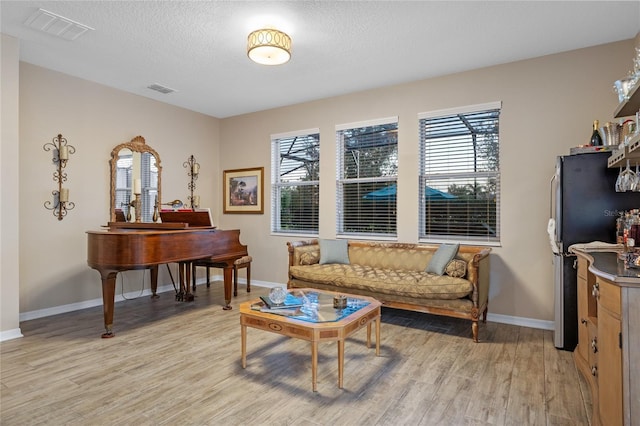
x=160 y=88
x=56 y=25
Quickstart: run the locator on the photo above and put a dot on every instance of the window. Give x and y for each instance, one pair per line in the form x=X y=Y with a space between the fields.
x=295 y=182
x=460 y=174
x=367 y=177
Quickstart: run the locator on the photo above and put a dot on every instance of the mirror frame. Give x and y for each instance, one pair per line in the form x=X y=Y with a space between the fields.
x=136 y=144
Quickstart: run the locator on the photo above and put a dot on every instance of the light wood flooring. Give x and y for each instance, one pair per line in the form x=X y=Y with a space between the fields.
x=178 y=363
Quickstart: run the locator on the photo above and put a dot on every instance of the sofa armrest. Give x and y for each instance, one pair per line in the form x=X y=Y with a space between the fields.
x=292 y=245
x=478 y=275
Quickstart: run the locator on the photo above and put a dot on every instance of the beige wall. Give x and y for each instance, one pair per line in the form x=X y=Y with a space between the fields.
x=93 y=119
x=9 y=214
x=548 y=106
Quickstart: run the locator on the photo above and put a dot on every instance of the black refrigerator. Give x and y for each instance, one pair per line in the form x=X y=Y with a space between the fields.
x=584 y=208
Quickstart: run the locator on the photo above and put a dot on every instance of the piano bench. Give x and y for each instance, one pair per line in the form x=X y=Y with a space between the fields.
x=242 y=262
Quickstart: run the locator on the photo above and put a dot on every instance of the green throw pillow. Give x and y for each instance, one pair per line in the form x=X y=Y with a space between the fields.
x=334 y=251
x=440 y=259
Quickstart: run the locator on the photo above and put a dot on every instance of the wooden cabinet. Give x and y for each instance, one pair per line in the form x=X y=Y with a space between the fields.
x=586 y=310
x=586 y=352
x=609 y=339
x=609 y=353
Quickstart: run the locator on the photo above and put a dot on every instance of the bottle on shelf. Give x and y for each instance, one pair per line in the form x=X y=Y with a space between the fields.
x=596 y=139
x=620 y=230
x=628 y=230
x=634 y=228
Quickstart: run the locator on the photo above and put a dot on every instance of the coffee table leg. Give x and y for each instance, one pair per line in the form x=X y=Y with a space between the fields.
x=377 y=336
x=369 y=335
x=314 y=364
x=340 y=362
x=243 y=340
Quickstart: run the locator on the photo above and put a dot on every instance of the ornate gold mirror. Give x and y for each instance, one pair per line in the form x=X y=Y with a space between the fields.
x=135 y=167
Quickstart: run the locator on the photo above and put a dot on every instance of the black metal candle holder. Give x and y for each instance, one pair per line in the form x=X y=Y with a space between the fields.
x=193 y=169
x=61 y=151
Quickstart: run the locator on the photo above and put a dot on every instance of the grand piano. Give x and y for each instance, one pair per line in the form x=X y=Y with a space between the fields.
x=128 y=246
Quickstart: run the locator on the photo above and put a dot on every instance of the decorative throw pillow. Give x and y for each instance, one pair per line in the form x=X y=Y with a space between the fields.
x=456 y=268
x=440 y=259
x=309 y=257
x=334 y=251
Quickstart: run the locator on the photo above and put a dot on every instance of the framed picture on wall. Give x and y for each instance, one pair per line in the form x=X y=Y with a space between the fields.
x=243 y=190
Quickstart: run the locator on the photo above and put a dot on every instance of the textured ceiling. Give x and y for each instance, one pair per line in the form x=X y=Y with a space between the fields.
x=199 y=47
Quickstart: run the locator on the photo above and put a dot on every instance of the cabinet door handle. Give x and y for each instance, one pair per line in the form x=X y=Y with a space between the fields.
x=594 y=345
x=583 y=321
x=596 y=290
x=594 y=370
x=620 y=340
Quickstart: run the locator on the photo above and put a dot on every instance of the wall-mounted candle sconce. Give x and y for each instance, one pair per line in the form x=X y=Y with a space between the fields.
x=193 y=169
x=61 y=152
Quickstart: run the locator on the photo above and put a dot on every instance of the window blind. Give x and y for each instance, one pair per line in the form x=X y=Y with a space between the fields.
x=295 y=182
x=459 y=188
x=367 y=159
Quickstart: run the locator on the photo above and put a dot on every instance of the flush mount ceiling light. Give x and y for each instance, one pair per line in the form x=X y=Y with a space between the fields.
x=269 y=47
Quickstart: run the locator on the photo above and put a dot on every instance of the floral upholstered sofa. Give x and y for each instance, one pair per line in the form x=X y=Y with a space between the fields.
x=416 y=277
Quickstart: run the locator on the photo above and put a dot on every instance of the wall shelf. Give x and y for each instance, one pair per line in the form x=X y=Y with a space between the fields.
x=631 y=152
x=631 y=106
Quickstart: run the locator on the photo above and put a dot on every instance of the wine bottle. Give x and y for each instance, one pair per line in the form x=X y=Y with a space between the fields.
x=596 y=139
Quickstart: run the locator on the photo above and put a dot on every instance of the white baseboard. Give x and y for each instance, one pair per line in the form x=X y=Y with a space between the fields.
x=10 y=334
x=41 y=313
x=521 y=321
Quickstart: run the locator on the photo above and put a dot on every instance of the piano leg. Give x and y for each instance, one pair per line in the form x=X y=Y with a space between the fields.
x=228 y=277
x=154 y=282
x=185 y=277
x=108 y=299
x=180 y=293
x=189 y=297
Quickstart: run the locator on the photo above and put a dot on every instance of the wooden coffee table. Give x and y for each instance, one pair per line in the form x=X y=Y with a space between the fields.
x=316 y=331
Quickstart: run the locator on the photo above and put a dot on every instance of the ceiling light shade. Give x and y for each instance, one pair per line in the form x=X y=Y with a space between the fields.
x=269 y=47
